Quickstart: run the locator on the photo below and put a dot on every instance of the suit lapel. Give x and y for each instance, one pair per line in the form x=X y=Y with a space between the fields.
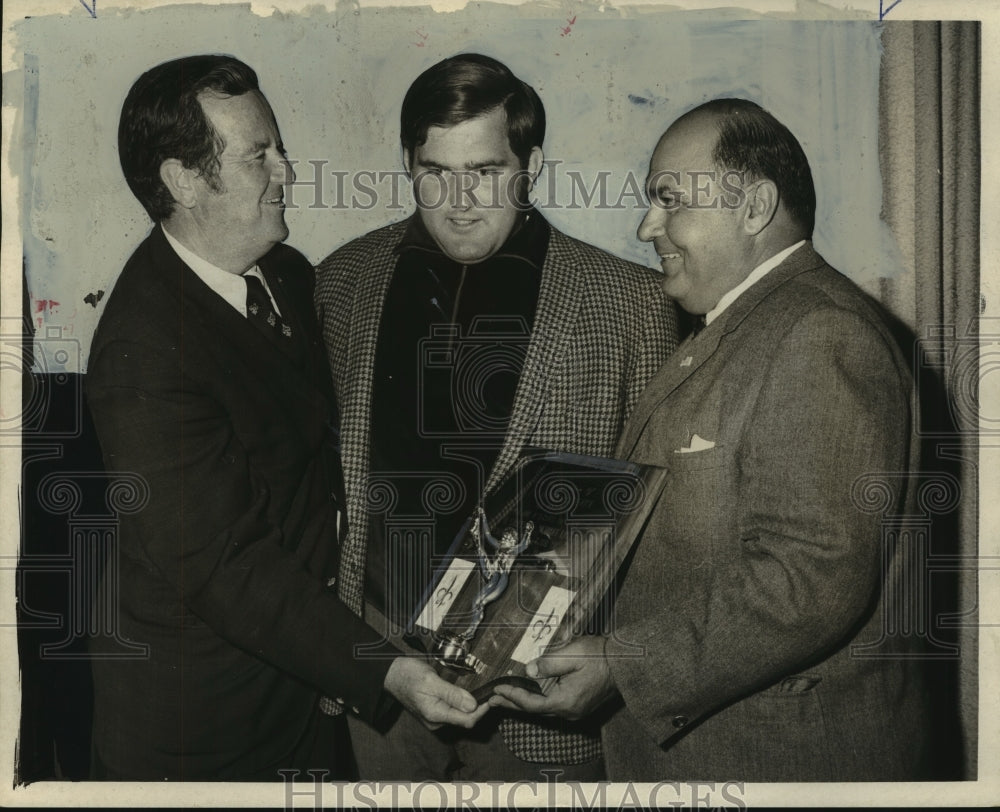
x=694 y=352
x=227 y=334
x=681 y=364
x=558 y=305
x=356 y=378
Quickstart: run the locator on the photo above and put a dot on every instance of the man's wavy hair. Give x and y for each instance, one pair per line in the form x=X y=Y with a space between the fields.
x=754 y=143
x=162 y=119
x=468 y=86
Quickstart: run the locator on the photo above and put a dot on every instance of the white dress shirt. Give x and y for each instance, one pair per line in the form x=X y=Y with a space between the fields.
x=755 y=275
x=230 y=286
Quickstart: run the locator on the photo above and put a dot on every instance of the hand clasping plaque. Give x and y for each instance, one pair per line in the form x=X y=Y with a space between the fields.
x=531 y=566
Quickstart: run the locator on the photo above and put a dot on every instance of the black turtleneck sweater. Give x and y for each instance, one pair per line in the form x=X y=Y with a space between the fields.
x=451 y=345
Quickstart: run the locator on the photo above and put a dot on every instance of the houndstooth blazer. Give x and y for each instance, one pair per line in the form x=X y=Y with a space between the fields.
x=602 y=328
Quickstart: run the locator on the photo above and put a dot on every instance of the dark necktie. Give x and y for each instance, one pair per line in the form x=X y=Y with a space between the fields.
x=698 y=326
x=261 y=313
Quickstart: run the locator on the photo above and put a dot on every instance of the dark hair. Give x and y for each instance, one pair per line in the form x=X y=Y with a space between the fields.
x=162 y=118
x=755 y=143
x=467 y=86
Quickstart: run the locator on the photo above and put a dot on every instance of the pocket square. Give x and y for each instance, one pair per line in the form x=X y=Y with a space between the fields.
x=697 y=444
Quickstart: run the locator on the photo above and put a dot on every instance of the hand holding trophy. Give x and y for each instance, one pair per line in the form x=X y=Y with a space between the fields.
x=498 y=603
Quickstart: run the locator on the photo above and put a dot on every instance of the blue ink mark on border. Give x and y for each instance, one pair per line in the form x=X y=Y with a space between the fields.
x=92 y=10
x=882 y=11
x=640 y=100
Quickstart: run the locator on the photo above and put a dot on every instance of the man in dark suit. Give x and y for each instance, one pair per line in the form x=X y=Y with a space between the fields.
x=456 y=338
x=751 y=628
x=207 y=378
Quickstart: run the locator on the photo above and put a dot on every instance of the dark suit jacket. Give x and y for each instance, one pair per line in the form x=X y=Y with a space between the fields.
x=223 y=572
x=770 y=559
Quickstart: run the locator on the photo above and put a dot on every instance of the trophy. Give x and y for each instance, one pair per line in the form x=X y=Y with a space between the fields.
x=531 y=567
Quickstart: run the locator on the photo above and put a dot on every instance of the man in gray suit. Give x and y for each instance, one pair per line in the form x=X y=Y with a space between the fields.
x=750 y=637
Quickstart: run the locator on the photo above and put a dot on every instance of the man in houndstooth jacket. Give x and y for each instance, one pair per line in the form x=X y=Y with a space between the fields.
x=456 y=338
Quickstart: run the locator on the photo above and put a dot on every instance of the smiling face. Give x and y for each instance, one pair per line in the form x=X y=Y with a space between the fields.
x=470 y=187
x=241 y=215
x=695 y=218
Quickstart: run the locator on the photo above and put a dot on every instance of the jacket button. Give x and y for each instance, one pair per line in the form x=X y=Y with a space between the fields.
x=331 y=581
x=679 y=721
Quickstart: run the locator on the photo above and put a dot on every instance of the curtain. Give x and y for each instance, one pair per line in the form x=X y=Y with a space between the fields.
x=930 y=161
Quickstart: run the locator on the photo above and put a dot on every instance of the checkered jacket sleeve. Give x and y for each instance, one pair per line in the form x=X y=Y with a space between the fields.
x=350 y=288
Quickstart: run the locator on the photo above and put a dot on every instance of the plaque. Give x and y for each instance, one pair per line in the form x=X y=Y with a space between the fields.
x=532 y=567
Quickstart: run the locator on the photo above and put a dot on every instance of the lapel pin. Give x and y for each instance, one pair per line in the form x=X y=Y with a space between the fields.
x=687 y=361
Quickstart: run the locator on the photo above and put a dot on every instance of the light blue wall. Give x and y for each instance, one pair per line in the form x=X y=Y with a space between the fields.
x=336 y=79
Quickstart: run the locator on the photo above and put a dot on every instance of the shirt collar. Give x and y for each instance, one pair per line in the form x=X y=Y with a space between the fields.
x=230 y=286
x=528 y=241
x=754 y=276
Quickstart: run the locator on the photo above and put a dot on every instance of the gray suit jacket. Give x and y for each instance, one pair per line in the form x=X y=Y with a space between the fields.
x=602 y=328
x=767 y=566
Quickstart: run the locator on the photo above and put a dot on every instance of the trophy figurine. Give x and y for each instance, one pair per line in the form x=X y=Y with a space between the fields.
x=495 y=558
